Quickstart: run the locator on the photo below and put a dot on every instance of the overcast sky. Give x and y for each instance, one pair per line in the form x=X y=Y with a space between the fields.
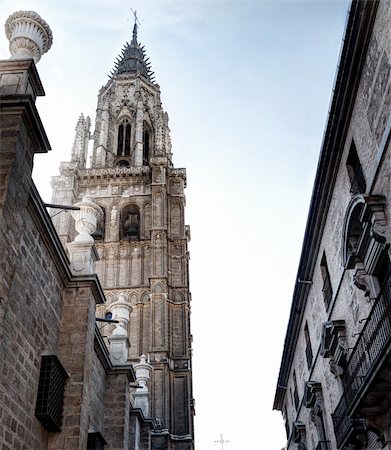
x=247 y=86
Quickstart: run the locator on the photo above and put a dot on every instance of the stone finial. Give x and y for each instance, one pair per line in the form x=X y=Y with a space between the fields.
x=86 y=218
x=141 y=396
x=29 y=35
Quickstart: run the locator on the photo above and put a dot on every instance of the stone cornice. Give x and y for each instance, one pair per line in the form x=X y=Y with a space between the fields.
x=104 y=357
x=356 y=40
x=110 y=172
x=57 y=252
x=24 y=104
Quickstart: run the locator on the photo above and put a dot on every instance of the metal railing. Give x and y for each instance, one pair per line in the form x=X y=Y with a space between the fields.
x=373 y=340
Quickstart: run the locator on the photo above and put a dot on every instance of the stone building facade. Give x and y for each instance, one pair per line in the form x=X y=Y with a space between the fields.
x=95 y=339
x=335 y=378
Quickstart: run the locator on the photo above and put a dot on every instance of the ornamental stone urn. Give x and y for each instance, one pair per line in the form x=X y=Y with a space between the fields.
x=29 y=35
x=86 y=218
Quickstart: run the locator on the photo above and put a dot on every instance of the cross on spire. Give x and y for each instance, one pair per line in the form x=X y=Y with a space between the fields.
x=221 y=441
x=136 y=25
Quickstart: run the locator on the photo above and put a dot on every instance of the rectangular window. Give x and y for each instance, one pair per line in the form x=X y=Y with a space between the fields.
x=295 y=394
x=50 y=398
x=327 y=288
x=355 y=172
x=308 y=348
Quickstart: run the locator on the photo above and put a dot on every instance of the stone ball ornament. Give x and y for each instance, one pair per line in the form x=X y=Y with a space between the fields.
x=29 y=35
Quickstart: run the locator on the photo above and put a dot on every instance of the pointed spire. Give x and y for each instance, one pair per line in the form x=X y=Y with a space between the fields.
x=132 y=58
x=134 y=39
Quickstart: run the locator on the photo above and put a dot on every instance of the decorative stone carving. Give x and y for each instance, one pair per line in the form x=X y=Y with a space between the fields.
x=29 y=35
x=333 y=345
x=143 y=372
x=119 y=342
x=299 y=437
x=86 y=218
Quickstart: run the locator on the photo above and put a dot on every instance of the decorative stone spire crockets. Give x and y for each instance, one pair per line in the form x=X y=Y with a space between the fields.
x=132 y=60
x=29 y=35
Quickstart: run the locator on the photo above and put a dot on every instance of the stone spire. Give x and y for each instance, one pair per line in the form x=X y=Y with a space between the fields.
x=80 y=144
x=133 y=60
x=29 y=35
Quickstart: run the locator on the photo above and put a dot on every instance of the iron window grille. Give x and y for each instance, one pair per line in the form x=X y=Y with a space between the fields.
x=50 y=398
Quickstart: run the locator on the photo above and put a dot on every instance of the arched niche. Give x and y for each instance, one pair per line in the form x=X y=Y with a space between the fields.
x=364 y=232
x=130 y=223
x=352 y=231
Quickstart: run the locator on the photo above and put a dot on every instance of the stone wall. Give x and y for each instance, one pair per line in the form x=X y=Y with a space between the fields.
x=369 y=129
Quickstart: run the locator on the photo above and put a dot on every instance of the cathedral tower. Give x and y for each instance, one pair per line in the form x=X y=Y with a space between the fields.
x=141 y=239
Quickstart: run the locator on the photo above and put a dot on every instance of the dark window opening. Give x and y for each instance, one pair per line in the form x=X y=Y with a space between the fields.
x=120 y=140
x=146 y=147
x=95 y=441
x=50 y=398
x=295 y=394
x=124 y=138
x=355 y=172
x=127 y=141
x=327 y=289
x=130 y=223
x=308 y=348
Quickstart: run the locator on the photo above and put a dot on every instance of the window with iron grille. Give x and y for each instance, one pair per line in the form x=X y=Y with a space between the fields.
x=95 y=441
x=50 y=398
x=327 y=288
x=355 y=172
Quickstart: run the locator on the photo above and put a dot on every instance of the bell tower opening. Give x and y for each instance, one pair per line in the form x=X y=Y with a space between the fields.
x=124 y=138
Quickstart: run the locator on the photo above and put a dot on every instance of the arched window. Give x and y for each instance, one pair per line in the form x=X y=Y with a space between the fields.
x=146 y=143
x=124 y=138
x=130 y=223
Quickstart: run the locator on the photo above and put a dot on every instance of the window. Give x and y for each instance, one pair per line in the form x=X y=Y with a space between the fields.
x=308 y=348
x=355 y=172
x=95 y=441
x=50 y=398
x=130 y=220
x=313 y=399
x=327 y=289
x=146 y=144
x=124 y=135
x=295 y=394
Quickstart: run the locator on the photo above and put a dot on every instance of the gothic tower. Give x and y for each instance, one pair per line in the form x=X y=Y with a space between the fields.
x=141 y=240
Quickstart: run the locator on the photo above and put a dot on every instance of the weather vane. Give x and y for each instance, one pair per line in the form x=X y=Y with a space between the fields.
x=221 y=441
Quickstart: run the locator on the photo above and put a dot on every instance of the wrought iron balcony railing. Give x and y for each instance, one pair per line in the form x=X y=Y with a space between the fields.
x=374 y=340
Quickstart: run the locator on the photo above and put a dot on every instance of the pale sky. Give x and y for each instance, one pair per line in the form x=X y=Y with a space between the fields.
x=247 y=86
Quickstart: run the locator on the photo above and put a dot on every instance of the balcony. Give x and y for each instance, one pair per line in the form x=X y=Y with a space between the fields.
x=365 y=375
